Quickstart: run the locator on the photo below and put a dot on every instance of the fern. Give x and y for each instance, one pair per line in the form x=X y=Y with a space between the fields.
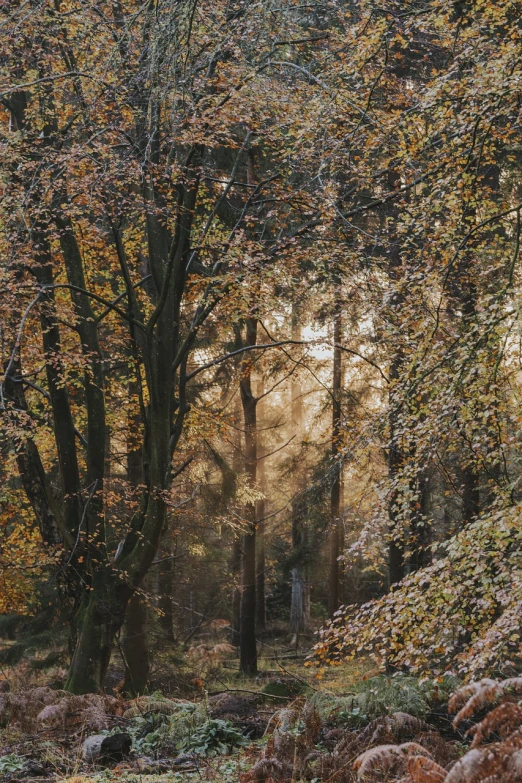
x=92 y=711
x=422 y=769
x=214 y=738
x=156 y=703
x=383 y=695
x=160 y=731
x=383 y=760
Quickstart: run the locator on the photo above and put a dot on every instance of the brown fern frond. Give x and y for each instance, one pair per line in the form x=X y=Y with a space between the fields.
x=442 y=751
x=402 y=723
x=502 y=720
x=475 y=696
x=91 y=710
x=468 y=768
x=266 y=769
x=21 y=709
x=313 y=723
x=385 y=759
x=514 y=766
x=461 y=696
x=421 y=769
x=512 y=685
x=377 y=732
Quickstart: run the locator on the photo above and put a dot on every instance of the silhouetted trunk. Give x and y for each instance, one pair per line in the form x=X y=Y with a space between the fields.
x=335 y=492
x=235 y=560
x=260 y=547
x=300 y=598
x=247 y=635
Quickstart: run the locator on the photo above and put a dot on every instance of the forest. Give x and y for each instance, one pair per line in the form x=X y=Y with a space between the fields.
x=261 y=391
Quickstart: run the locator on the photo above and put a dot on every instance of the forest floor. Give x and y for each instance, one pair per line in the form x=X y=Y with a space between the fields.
x=206 y=722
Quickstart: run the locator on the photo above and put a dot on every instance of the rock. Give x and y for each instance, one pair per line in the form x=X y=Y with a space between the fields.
x=224 y=704
x=4 y=686
x=148 y=766
x=185 y=760
x=101 y=748
x=284 y=688
x=241 y=711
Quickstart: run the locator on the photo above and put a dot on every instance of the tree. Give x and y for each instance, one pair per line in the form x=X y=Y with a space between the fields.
x=126 y=141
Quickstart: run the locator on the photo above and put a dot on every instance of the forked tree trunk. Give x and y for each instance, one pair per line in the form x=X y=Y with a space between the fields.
x=100 y=618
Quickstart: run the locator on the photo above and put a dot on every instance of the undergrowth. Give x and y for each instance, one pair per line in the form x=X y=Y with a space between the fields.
x=380 y=732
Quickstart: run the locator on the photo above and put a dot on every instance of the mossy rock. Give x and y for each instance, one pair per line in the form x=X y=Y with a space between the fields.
x=285 y=688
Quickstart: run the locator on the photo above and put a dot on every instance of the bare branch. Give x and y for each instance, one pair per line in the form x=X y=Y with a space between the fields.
x=224 y=358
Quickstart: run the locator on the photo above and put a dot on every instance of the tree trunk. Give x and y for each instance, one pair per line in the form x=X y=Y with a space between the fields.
x=335 y=492
x=235 y=568
x=99 y=619
x=134 y=641
x=260 y=543
x=300 y=599
x=236 y=556
x=165 y=577
x=396 y=404
x=395 y=463
x=134 y=647
x=247 y=635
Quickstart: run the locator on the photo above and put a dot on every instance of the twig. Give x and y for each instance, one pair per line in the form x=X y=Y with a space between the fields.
x=253 y=693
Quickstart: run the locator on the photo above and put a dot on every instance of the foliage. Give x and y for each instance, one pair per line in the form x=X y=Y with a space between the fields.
x=123 y=254
x=13 y=653
x=162 y=725
x=382 y=695
x=461 y=611
x=182 y=170
x=44 y=708
x=213 y=738
x=494 y=761
x=12 y=763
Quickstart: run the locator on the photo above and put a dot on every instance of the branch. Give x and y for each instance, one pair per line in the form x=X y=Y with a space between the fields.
x=181 y=468
x=19 y=87
x=364 y=358
x=264 y=456
x=47 y=396
x=120 y=297
x=16 y=347
x=97 y=298
x=263 y=346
